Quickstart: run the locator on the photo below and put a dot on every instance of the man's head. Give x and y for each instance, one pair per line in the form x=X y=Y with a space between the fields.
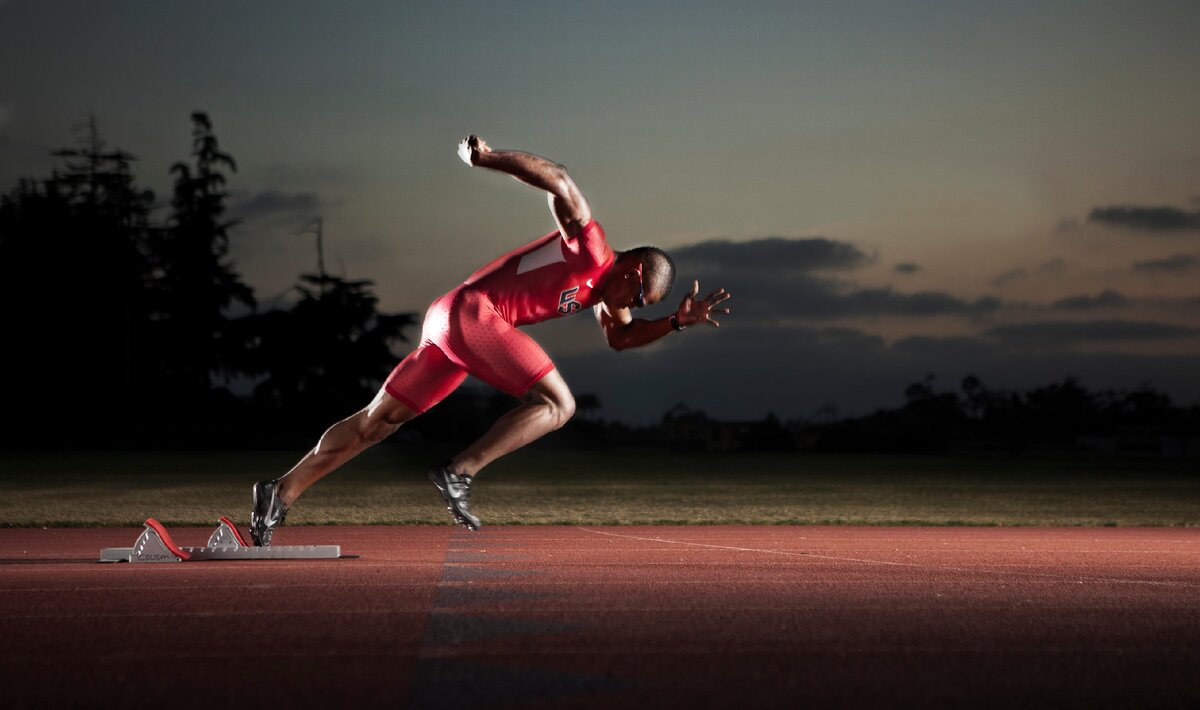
x=640 y=277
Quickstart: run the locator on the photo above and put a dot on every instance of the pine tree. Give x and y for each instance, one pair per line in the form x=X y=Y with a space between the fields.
x=73 y=267
x=329 y=353
x=195 y=285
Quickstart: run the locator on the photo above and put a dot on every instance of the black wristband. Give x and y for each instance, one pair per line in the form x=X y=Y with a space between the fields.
x=674 y=319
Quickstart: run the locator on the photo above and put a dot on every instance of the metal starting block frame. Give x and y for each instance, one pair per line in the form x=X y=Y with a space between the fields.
x=225 y=543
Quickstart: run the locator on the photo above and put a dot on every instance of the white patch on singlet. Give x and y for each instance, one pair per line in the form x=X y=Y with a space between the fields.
x=550 y=253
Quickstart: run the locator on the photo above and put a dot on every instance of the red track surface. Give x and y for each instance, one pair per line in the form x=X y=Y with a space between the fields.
x=612 y=617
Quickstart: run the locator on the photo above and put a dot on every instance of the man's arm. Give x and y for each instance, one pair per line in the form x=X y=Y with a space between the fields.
x=623 y=331
x=567 y=203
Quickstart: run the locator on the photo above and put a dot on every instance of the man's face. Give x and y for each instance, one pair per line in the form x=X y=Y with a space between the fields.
x=631 y=289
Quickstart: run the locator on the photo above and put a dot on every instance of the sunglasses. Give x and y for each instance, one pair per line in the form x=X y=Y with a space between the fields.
x=640 y=301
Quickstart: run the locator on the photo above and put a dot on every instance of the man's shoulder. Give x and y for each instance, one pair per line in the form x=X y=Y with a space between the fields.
x=594 y=243
x=593 y=230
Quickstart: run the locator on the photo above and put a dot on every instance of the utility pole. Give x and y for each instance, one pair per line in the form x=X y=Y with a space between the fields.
x=320 y=251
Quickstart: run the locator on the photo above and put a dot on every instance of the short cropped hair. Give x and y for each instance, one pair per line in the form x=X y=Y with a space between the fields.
x=658 y=269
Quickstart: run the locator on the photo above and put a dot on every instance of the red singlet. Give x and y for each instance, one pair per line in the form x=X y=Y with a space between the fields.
x=473 y=329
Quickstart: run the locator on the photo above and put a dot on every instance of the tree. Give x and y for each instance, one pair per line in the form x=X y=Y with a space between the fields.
x=195 y=286
x=135 y=322
x=587 y=404
x=329 y=353
x=73 y=266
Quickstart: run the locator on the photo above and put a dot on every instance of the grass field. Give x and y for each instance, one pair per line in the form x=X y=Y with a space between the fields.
x=544 y=486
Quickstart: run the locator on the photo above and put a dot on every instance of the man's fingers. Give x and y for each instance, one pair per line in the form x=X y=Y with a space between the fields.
x=695 y=288
x=708 y=316
x=469 y=149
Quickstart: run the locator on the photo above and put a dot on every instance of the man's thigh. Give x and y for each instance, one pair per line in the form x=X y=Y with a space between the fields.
x=423 y=379
x=491 y=349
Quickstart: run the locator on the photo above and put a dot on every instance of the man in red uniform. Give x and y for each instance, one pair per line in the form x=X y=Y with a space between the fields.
x=473 y=330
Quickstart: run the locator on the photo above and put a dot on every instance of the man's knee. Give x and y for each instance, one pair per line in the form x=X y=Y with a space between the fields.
x=557 y=398
x=564 y=409
x=382 y=417
x=376 y=429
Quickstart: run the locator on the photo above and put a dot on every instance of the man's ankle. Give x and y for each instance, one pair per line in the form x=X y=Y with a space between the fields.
x=460 y=469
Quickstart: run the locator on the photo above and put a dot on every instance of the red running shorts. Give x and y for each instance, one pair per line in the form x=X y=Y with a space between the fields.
x=463 y=334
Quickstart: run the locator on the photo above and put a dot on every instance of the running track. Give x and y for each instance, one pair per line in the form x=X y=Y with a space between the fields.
x=590 y=617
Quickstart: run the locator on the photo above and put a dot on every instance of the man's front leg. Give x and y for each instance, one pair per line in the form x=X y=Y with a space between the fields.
x=546 y=407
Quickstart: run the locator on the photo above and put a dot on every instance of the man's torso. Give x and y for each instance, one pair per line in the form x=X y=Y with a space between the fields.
x=550 y=277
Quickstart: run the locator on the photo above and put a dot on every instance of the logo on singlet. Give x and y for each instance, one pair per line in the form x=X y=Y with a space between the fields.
x=567 y=303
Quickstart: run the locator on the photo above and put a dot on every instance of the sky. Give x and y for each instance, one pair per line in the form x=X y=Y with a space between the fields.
x=889 y=190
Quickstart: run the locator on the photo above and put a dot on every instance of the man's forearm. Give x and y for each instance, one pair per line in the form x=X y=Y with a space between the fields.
x=532 y=170
x=567 y=203
x=639 y=332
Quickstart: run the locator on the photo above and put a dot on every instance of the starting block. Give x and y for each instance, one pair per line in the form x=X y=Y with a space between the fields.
x=225 y=543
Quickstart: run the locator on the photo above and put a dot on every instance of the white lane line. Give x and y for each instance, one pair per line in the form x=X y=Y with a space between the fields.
x=949 y=568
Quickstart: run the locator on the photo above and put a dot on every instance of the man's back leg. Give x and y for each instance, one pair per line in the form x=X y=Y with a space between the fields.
x=340 y=443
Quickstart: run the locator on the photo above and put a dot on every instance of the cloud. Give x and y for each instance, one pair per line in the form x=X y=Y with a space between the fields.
x=749 y=370
x=885 y=301
x=1009 y=277
x=1066 y=334
x=273 y=204
x=774 y=279
x=1105 y=299
x=1151 y=219
x=777 y=351
x=906 y=268
x=1052 y=267
x=1067 y=225
x=772 y=255
x=1171 y=264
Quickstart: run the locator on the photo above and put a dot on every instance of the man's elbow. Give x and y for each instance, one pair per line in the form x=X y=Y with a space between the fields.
x=563 y=185
x=618 y=343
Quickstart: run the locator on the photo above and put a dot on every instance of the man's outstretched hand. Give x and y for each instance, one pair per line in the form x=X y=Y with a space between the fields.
x=693 y=311
x=470 y=147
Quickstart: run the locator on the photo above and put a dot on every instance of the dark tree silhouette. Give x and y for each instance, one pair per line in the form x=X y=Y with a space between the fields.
x=1062 y=416
x=138 y=324
x=329 y=354
x=587 y=404
x=195 y=285
x=74 y=264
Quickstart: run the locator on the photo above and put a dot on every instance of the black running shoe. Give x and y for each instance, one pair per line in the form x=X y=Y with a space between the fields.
x=268 y=512
x=456 y=492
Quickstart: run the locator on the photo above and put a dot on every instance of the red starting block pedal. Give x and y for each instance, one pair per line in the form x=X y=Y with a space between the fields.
x=227 y=535
x=225 y=543
x=155 y=545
